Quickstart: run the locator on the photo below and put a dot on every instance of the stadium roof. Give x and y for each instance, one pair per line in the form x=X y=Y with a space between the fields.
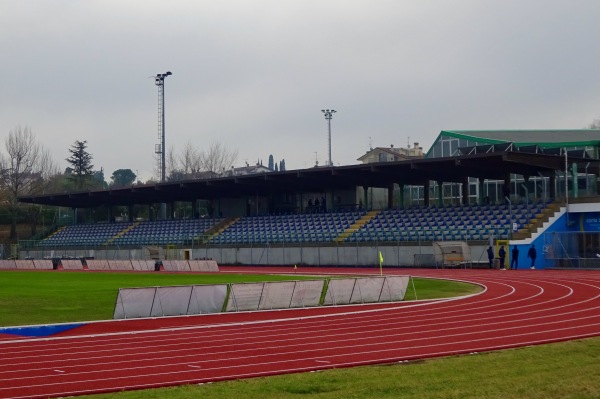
x=541 y=138
x=410 y=172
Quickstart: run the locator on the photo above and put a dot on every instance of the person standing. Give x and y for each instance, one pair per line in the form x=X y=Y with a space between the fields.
x=514 y=262
x=532 y=254
x=502 y=257
x=490 y=253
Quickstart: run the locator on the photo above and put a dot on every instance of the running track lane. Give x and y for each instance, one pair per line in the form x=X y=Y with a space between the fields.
x=517 y=308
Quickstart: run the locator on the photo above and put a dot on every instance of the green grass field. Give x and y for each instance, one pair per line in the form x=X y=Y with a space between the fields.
x=564 y=370
x=34 y=297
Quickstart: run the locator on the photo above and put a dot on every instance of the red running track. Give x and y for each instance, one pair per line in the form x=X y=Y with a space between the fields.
x=517 y=308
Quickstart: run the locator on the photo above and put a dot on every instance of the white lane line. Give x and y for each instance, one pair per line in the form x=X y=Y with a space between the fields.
x=428 y=324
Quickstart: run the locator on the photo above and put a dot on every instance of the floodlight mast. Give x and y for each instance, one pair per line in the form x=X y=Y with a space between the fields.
x=160 y=82
x=328 y=114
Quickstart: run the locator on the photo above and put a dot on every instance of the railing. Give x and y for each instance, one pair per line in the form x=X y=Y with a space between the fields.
x=275 y=249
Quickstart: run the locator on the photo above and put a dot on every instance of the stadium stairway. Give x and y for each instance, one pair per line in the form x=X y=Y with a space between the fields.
x=356 y=226
x=219 y=228
x=56 y=232
x=537 y=221
x=121 y=233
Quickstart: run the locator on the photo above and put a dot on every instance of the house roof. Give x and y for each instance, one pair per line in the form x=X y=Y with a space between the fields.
x=390 y=151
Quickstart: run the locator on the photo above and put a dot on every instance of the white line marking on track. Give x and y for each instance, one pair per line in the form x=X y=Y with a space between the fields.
x=244 y=323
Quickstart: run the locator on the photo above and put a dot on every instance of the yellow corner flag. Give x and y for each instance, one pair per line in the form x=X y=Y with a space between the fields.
x=380 y=263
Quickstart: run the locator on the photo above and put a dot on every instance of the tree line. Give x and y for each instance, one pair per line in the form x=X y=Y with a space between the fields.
x=27 y=169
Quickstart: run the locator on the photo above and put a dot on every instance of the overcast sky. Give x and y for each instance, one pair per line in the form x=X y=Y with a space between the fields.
x=254 y=75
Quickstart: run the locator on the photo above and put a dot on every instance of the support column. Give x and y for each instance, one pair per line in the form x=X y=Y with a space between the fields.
x=401 y=196
x=130 y=213
x=552 y=184
x=575 y=180
x=506 y=187
x=426 y=186
x=366 y=197
x=440 y=196
x=390 y=196
x=465 y=191
x=195 y=214
x=481 y=184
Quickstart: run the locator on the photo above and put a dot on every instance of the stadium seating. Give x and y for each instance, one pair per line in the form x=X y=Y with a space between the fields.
x=124 y=233
x=84 y=234
x=295 y=228
x=474 y=222
x=166 y=232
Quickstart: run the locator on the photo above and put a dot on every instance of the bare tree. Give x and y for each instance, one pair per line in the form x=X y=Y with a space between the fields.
x=217 y=158
x=25 y=168
x=192 y=163
x=172 y=170
x=595 y=124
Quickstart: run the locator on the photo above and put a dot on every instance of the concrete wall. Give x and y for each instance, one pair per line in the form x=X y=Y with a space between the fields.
x=397 y=255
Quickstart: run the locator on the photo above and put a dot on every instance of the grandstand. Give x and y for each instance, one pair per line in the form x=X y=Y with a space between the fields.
x=474 y=187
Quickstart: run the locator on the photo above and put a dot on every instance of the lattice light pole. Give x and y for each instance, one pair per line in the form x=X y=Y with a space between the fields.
x=160 y=148
x=328 y=114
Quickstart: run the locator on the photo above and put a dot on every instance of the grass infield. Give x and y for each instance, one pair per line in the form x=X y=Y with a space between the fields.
x=45 y=297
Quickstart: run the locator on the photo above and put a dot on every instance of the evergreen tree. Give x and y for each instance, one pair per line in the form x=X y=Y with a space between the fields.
x=122 y=178
x=98 y=180
x=271 y=162
x=81 y=165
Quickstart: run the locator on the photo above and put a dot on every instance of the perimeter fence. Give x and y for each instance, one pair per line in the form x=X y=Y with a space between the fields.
x=579 y=250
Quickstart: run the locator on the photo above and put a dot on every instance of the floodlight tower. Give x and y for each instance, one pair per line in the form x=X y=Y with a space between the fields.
x=328 y=114
x=160 y=148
